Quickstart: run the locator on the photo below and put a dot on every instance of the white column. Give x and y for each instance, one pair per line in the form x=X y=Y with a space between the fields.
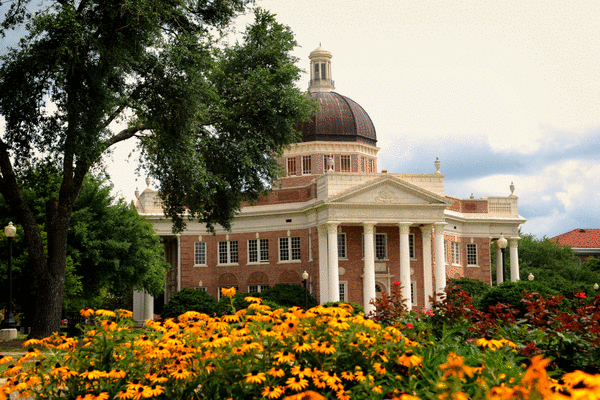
x=499 y=270
x=323 y=268
x=427 y=265
x=514 y=258
x=405 y=263
x=334 y=273
x=369 y=268
x=178 y=262
x=143 y=306
x=440 y=267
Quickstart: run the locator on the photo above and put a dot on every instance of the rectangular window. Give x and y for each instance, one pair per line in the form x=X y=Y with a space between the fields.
x=200 y=253
x=381 y=246
x=310 y=248
x=446 y=251
x=257 y=288
x=362 y=164
x=228 y=252
x=413 y=293
x=341 y=239
x=371 y=166
x=455 y=253
x=289 y=248
x=258 y=250
x=323 y=71
x=345 y=163
x=306 y=165
x=317 y=71
x=201 y=288
x=411 y=246
x=291 y=166
x=471 y=254
x=344 y=292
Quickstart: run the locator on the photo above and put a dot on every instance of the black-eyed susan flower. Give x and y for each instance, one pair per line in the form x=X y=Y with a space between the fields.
x=87 y=312
x=324 y=347
x=456 y=367
x=255 y=377
x=106 y=313
x=409 y=359
x=283 y=357
x=228 y=292
x=276 y=372
x=5 y=359
x=181 y=374
x=142 y=392
x=349 y=376
x=379 y=368
x=116 y=373
x=296 y=383
x=92 y=373
x=301 y=347
x=272 y=392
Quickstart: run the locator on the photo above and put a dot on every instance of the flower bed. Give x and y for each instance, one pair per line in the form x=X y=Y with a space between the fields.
x=325 y=352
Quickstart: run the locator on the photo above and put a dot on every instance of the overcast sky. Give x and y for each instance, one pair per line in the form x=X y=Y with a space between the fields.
x=500 y=91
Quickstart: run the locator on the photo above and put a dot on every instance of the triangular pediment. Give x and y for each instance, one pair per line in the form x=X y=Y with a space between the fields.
x=389 y=190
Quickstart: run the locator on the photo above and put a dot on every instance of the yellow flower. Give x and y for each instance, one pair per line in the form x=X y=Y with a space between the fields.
x=143 y=392
x=116 y=373
x=106 y=313
x=157 y=390
x=276 y=372
x=181 y=374
x=87 y=312
x=125 y=313
x=228 y=292
x=308 y=395
x=490 y=343
x=93 y=374
x=5 y=360
x=272 y=392
x=349 y=376
x=255 y=300
x=377 y=389
x=379 y=368
x=409 y=359
x=301 y=347
x=285 y=357
x=456 y=367
x=255 y=377
x=296 y=383
x=101 y=396
x=324 y=347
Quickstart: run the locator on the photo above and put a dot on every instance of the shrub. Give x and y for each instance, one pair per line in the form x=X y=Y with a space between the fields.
x=287 y=295
x=474 y=287
x=189 y=300
x=511 y=293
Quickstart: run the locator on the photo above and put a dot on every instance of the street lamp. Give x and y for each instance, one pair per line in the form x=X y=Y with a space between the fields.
x=595 y=286
x=304 y=282
x=9 y=322
x=502 y=243
x=530 y=277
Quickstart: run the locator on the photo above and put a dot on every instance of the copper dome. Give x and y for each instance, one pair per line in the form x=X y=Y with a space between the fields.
x=339 y=119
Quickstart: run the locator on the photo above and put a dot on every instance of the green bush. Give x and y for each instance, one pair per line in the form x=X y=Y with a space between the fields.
x=474 y=287
x=287 y=295
x=512 y=293
x=189 y=300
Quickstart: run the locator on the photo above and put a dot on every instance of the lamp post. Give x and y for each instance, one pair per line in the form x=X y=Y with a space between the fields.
x=595 y=286
x=9 y=322
x=530 y=277
x=304 y=282
x=502 y=243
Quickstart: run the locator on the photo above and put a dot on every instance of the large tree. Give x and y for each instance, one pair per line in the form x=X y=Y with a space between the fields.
x=111 y=248
x=211 y=117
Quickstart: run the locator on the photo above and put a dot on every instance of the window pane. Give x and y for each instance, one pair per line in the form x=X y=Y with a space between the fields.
x=341 y=239
x=306 y=165
x=233 y=251
x=380 y=246
x=222 y=252
x=471 y=254
x=252 y=251
x=411 y=245
x=264 y=250
x=295 y=248
x=200 y=253
x=284 y=252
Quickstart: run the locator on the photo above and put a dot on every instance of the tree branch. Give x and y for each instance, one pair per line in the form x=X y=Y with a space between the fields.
x=124 y=135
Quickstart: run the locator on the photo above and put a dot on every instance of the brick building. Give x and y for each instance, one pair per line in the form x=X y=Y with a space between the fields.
x=354 y=230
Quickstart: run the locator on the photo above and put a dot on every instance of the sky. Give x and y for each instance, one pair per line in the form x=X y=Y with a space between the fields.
x=500 y=91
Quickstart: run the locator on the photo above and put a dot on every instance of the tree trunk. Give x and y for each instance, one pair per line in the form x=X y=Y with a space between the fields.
x=51 y=280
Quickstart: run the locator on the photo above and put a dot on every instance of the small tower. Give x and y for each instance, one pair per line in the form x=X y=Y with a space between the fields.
x=320 y=71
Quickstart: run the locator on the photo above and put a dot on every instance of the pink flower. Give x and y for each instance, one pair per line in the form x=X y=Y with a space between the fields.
x=409 y=326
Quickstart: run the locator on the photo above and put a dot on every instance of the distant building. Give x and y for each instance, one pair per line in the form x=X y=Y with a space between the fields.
x=584 y=242
x=354 y=230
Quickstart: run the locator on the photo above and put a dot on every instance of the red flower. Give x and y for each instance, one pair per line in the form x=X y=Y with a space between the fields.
x=581 y=295
x=397 y=283
x=409 y=326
